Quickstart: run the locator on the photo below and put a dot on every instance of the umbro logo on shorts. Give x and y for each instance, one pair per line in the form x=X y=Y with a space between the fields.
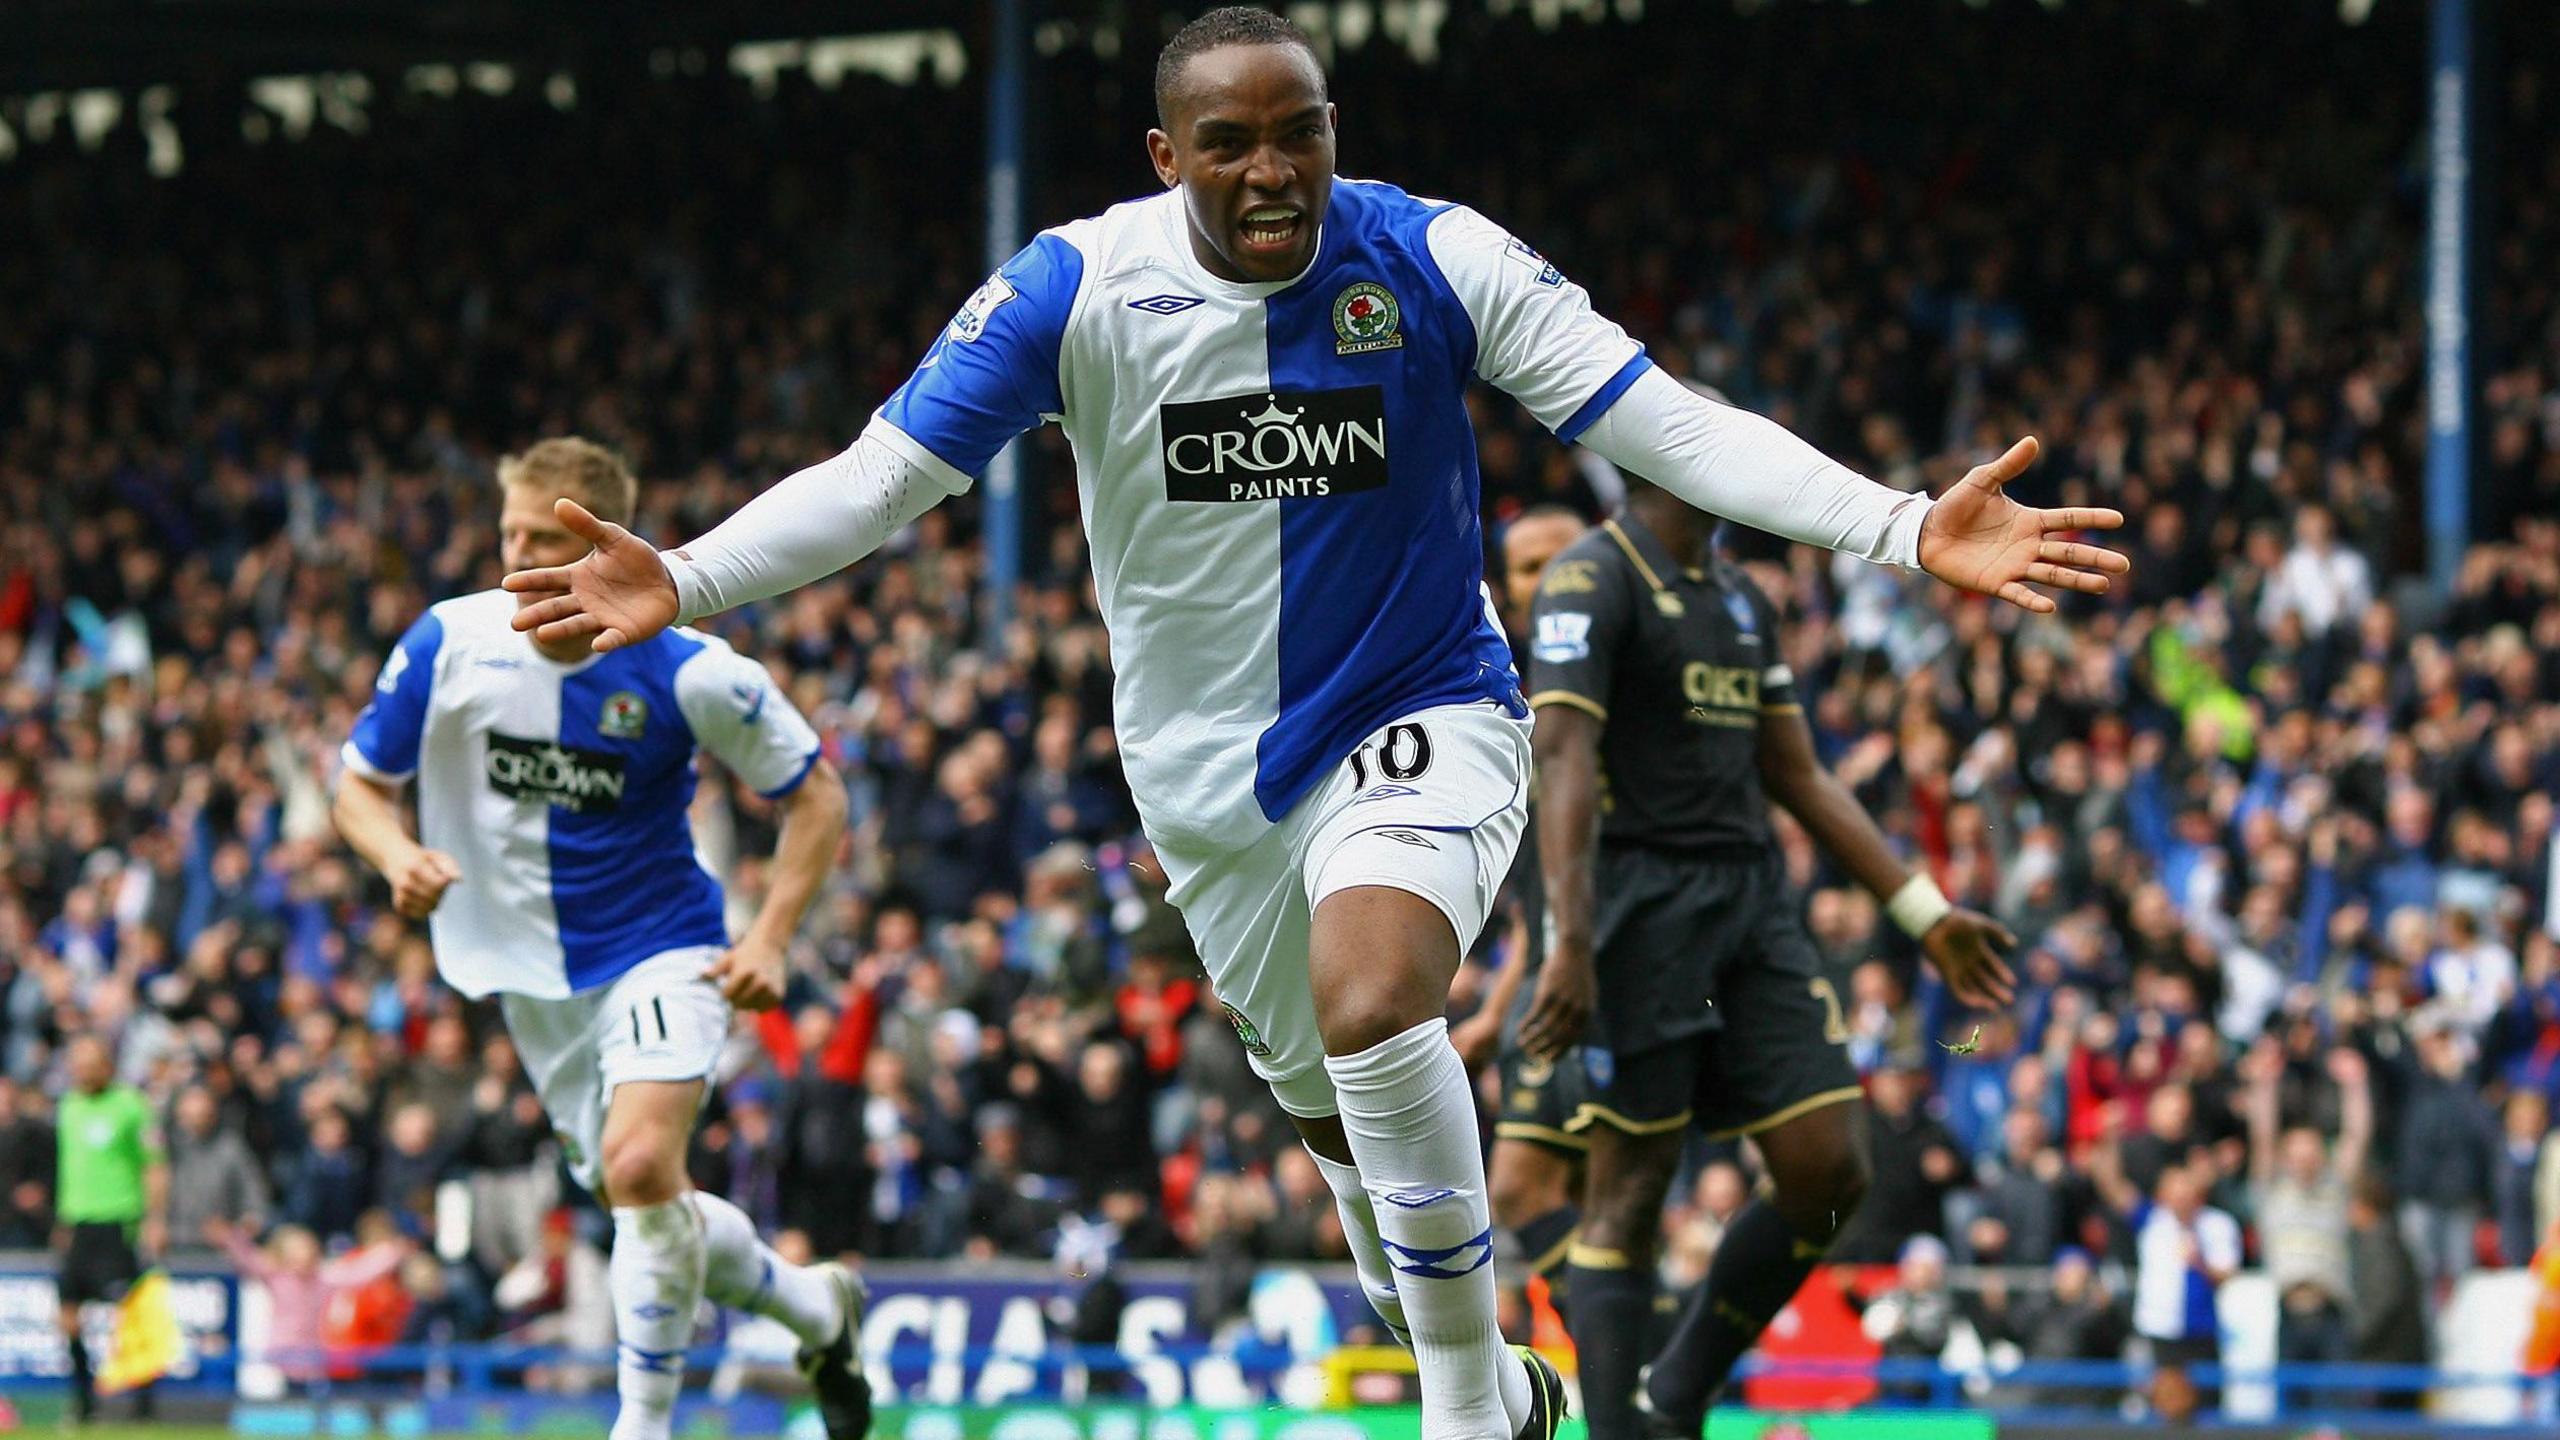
x=1166 y=304
x=1409 y=838
x=1384 y=792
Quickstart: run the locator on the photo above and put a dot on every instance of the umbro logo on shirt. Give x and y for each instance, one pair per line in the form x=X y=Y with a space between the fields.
x=1275 y=445
x=1166 y=304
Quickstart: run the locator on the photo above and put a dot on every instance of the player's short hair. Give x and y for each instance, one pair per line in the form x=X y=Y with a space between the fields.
x=580 y=469
x=1224 y=26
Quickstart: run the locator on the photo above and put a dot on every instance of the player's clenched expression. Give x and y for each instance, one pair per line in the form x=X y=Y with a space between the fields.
x=1249 y=138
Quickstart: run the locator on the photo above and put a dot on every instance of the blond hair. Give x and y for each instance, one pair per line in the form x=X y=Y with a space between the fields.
x=579 y=468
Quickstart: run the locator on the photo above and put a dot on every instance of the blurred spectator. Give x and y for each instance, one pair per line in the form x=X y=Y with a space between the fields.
x=212 y=1176
x=1010 y=1213
x=302 y=1287
x=2448 y=1143
x=413 y=1160
x=2390 y=1296
x=2528 y=1161
x=27 y=1155
x=2300 y=1188
x=1917 y=1318
x=2025 y=1188
x=1916 y=1162
x=557 y=1296
x=2183 y=1250
x=2322 y=584
x=328 y=1190
x=2076 y=1320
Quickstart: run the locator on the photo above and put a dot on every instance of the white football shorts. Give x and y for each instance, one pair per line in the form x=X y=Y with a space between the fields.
x=1432 y=804
x=658 y=1020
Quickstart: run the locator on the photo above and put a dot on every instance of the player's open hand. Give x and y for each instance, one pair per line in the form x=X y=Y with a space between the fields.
x=1568 y=991
x=418 y=883
x=1966 y=947
x=749 y=975
x=1977 y=538
x=620 y=594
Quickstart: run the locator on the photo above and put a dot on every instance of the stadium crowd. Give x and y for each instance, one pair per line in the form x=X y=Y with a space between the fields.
x=2273 y=821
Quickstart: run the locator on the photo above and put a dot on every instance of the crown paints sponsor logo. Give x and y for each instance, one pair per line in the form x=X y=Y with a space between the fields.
x=1278 y=445
x=565 y=776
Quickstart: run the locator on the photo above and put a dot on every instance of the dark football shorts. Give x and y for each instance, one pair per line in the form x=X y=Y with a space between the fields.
x=1540 y=1099
x=1713 y=1004
x=100 y=1263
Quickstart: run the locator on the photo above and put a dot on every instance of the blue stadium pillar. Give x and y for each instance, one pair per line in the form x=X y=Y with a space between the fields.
x=1008 y=78
x=2452 y=174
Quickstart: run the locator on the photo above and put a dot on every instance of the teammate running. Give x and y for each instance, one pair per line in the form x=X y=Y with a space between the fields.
x=556 y=868
x=1262 y=373
x=1666 y=723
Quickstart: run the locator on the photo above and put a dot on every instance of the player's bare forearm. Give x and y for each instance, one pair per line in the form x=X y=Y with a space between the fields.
x=1963 y=946
x=1794 y=778
x=367 y=813
x=1566 y=750
x=812 y=826
x=1566 y=747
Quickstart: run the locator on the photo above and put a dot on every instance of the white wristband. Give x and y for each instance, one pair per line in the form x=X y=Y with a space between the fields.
x=1918 y=905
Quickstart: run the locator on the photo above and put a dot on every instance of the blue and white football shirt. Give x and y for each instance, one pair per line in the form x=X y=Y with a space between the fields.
x=1278 y=480
x=561 y=790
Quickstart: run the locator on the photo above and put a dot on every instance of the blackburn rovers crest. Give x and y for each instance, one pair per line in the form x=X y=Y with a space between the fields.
x=1365 y=318
x=1254 y=1044
x=625 y=716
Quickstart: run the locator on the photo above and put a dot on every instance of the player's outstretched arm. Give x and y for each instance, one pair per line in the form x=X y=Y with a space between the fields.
x=1730 y=462
x=809 y=525
x=1966 y=947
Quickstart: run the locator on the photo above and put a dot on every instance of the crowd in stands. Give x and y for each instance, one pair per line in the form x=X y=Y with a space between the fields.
x=2273 y=820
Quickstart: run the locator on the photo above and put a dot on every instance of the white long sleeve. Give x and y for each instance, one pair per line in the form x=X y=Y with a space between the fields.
x=1730 y=462
x=809 y=525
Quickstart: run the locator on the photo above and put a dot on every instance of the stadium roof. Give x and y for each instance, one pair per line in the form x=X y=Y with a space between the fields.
x=68 y=44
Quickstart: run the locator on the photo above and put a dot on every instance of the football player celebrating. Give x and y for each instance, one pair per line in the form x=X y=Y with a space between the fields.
x=1262 y=372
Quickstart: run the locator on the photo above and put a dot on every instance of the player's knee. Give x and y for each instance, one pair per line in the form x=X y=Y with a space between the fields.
x=1620 y=1225
x=639 y=1171
x=1364 y=1013
x=1816 y=1194
x=1520 y=1191
x=1624 y=1210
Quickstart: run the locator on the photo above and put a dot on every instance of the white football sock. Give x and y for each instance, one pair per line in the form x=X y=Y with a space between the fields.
x=742 y=1272
x=1411 y=1118
x=1360 y=1231
x=656 y=1278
